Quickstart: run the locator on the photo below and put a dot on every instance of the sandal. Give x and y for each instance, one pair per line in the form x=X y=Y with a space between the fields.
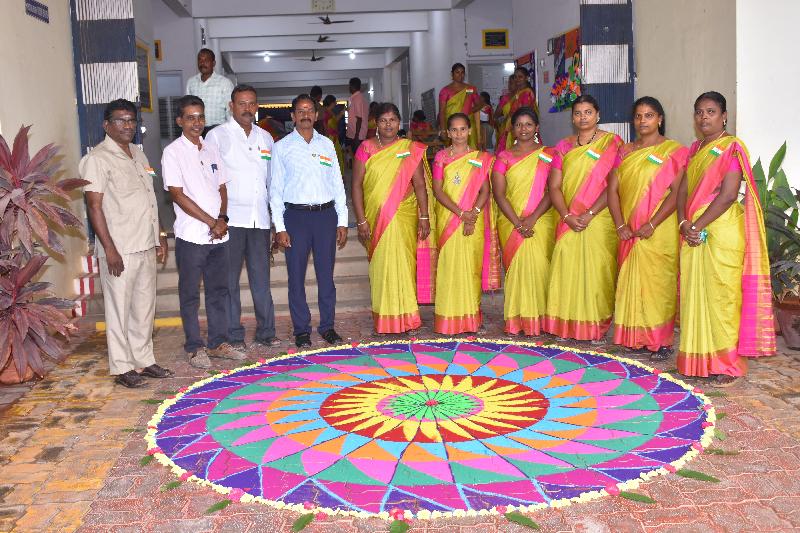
x=662 y=354
x=724 y=380
x=155 y=371
x=130 y=379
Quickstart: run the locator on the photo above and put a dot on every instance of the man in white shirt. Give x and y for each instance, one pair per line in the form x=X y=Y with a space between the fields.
x=309 y=210
x=246 y=151
x=214 y=89
x=195 y=178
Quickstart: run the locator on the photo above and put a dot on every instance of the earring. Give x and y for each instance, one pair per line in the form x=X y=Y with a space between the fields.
x=724 y=123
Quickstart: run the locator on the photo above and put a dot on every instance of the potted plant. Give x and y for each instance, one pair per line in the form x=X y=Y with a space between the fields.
x=781 y=205
x=32 y=212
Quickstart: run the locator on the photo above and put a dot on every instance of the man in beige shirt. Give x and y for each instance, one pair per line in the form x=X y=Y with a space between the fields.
x=122 y=209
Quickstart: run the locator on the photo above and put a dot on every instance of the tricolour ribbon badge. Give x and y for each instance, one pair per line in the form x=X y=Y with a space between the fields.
x=402 y=155
x=325 y=161
x=653 y=159
x=544 y=157
x=151 y=171
x=266 y=155
x=475 y=163
x=716 y=151
x=591 y=153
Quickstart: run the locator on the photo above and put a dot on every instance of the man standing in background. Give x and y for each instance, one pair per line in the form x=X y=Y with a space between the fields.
x=357 y=116
x=212 y=88
x=246 y=151
x=316 y=95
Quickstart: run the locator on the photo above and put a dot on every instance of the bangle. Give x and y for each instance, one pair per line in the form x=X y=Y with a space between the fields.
x=162 y=234
x=424 y=218
x=620 y=227
x=362 y=222
x=460 y=213
x=651 y=225
x=478 y=209
x=590 y=212
x=682 y=223
x=565 y=216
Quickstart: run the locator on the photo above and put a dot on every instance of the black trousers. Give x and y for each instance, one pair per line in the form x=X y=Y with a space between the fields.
x=250 y=246
x=209 y=263
x=311 y=231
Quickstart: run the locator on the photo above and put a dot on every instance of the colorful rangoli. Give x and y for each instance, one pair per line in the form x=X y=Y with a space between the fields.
x=432 y=427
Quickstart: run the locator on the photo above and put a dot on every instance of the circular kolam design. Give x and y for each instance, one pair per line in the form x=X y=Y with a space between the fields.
x=436 y=428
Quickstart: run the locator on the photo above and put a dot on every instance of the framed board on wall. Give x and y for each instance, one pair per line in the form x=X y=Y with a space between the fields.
x=143 y=73
x=495 y=39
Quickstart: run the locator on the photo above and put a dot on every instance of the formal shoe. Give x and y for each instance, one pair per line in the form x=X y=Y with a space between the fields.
x=662 y=354
x=199 y=359
x=155 y=371
x=239 y=345
x=724 y=380
x=130 y=379
x=331 y=337
x=269 y=342
x=226 y=351
x=303 y=340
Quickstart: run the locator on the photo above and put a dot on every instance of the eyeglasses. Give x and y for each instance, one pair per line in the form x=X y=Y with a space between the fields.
x=124 y=121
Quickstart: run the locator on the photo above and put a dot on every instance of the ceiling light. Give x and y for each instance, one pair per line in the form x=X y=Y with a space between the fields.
x=266 y=57
x=352 y=54
x=508 y=67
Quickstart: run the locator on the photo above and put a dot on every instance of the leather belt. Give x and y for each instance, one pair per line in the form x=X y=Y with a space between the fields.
x=309 y=207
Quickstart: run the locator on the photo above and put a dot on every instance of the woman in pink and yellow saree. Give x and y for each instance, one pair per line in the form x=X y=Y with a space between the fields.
x=725 y=294
x=460 y=97
x=583 y=271
x=642 y=194
x=468 y=259
x=526 y=226
x=391 y=183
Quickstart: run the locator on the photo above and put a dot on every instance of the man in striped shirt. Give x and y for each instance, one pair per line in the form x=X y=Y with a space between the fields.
x=214 y=89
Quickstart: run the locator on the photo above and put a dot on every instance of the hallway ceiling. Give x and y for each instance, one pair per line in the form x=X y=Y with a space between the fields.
x=289 y=30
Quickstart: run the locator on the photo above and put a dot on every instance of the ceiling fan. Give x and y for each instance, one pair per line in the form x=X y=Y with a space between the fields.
x=327 y=20
x=313 y=57
x=320 y=39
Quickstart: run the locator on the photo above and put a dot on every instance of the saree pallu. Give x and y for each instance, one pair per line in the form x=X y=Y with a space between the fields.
x=331 y=124
x=726 y=299
x=399 y=266
x=583 y=271
x=524 y=98
x=502 y=128
x=463 y=101
x=466 y=264
x=526 y=261
x=647 y=285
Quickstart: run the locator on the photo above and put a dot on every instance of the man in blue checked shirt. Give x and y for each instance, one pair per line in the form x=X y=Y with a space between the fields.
x=309 y=211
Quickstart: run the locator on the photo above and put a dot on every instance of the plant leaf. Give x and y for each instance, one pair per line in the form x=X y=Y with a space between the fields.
x=777 y=160
x=694 y=474
x=521 y=519
x=170 y=486
x=152 y=401
x=130 y=430
x=719 y=434
x=146 y=460
x=398 y=526
x=716 y=394
x=721 y=415
x=167 y=392
x=720 y=451
x=218 y=506
x=635 y=496
x=301 y=523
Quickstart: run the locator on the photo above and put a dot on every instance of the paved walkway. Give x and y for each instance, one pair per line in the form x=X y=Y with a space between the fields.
x=70 y=450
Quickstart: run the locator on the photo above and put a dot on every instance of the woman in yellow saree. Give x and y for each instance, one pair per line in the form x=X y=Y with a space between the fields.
x=522 y=96
x=468 y=253
x=725 y=294
x=390 y=199
x=527 y=225
x=642 y=194
x=460 y=97
x=330 y=121
x=583 y=271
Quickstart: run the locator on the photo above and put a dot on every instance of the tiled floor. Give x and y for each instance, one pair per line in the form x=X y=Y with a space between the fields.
x=70 y=448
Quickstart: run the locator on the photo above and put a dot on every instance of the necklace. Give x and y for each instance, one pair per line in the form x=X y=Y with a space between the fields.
x=704 y=141
x=380 y=144
x=457 y=177
x=578 y=138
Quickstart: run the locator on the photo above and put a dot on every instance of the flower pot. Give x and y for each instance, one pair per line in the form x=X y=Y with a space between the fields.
x=10 y=376
x=787 y=314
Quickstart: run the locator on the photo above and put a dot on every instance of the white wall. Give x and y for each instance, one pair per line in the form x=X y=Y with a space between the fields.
x=536 y=21
x=177 y=41
x=486 y=15
x=431 y=56
x=767 y=73
x=684 y=48
x=38 y=89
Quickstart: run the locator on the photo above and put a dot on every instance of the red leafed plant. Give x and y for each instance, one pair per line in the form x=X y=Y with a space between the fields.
x=31 y=214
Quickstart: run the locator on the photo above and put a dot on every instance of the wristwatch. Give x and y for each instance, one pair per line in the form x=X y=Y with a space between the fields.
x=224 y=217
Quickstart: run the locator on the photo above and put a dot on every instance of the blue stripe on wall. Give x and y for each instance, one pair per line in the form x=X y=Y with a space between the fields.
x=107 y=41
x=615 y=100
x=606 y=23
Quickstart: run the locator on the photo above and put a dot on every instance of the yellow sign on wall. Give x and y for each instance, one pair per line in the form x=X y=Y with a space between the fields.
x=495 y=38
